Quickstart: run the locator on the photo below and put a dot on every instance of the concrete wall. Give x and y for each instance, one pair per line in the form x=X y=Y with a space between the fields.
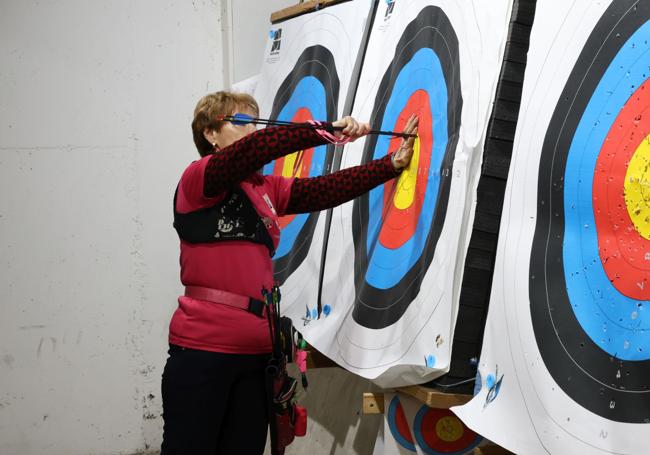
x=96 y=100
x=95 y=104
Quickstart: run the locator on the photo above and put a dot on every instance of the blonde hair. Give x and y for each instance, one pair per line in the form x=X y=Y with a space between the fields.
x=210 y=107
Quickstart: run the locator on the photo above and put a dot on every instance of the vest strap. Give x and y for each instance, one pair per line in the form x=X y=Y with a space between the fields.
x=257 y=307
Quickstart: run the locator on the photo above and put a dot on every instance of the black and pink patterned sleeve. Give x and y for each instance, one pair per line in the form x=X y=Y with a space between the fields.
x=234 y=163
x=324 y=192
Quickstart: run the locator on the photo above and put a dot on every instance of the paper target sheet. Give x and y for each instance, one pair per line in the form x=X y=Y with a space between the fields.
x=566 y=355
x=395 y=256
x=308 y=64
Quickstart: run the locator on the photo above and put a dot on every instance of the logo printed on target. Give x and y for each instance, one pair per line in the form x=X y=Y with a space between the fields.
x=276 y=36
x=390 y=6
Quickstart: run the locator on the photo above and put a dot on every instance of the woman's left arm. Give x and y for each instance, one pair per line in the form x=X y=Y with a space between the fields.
x=327 y=191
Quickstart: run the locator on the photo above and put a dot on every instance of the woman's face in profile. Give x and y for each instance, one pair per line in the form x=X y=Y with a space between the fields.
x=232 y=132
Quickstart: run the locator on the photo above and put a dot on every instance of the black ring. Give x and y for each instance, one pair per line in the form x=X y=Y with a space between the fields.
x=378 y=308
x=316 y=61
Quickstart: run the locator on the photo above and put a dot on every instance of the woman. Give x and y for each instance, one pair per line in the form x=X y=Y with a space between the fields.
x=226 y=214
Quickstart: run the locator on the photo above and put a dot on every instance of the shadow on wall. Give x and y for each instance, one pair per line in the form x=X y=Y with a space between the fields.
x=334 y=403
x=336 y=422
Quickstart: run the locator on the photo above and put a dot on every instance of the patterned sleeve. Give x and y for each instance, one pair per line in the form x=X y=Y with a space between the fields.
x=234 y=163
x=324 y=192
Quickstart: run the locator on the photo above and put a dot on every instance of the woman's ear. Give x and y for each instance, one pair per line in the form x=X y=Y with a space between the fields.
x=210 y=135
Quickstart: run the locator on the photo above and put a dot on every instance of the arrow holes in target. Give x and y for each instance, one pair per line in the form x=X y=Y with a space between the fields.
x=590 y=267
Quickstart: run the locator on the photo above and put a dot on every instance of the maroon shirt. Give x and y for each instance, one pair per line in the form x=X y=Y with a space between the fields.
x=244 y=267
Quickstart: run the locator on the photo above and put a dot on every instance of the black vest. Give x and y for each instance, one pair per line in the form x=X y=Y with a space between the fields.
x=234 y=218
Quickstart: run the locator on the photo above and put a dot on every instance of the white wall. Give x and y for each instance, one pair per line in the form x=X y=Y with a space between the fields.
x=96 y=100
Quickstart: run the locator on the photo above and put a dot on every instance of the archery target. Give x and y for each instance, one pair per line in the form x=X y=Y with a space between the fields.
x=428 y=431
x=440 y=432
x=398 y=425
x=567 y=328
x=310 y=91
x=590 y=260
x=306 y=73
x=397 y=225
x=396 y=254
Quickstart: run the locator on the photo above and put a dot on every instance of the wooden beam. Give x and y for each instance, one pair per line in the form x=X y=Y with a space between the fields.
x=434 y=398
x=373 y=403
x=316 y=359
x=302 y=8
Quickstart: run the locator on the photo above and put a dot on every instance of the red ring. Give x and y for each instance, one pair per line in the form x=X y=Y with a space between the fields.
x=302 y=115
x=399 y=225
x=401 y=424
x=621 y=248
x=430 y=436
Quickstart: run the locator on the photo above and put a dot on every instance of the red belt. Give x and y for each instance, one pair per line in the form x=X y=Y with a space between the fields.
x=243 y=302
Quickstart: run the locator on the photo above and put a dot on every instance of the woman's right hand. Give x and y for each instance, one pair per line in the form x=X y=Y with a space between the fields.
x=402 y=157
x=351 y=128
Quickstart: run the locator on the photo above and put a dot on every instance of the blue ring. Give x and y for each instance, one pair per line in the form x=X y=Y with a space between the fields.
x=613 y=321
x=386 y=267
x=309 y=94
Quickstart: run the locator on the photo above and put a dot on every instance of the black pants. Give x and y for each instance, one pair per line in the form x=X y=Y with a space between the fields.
x=213 y=403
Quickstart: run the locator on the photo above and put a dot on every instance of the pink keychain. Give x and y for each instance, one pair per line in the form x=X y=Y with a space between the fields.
x=301 y=360
x=300 y=357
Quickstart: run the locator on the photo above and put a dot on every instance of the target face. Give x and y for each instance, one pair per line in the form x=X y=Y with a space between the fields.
x=396 y=226
x=398 y=425
x=439 y=431
x=310 y=91
x=590 y=261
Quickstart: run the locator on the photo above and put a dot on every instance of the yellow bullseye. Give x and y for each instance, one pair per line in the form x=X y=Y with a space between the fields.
x=449 y=429
x=637 y=188
x=289 y=163
x=405 y=193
